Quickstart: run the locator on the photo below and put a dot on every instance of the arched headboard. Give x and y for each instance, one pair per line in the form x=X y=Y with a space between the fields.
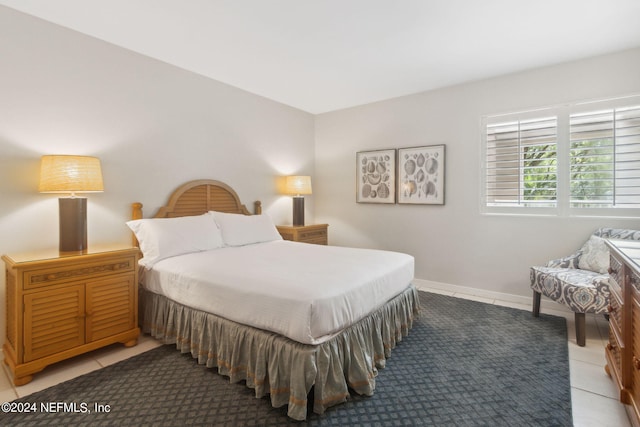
x=198 y=197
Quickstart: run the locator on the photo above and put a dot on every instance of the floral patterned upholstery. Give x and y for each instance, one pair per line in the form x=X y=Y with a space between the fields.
x=583 y=291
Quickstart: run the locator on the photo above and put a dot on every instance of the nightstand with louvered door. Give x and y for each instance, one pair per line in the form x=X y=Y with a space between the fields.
x=60 y=306
x=316 y=233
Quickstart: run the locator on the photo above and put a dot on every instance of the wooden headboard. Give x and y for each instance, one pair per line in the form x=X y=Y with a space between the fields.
x=198 y=197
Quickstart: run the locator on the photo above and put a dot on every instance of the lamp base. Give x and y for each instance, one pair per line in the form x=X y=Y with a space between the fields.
x=73 y=224
x=298 y=210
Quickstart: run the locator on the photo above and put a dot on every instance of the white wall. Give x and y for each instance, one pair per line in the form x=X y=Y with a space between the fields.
x=154 y=126
x=454 y=244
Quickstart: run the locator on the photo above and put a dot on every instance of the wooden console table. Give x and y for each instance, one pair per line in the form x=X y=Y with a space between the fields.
x=623 y=349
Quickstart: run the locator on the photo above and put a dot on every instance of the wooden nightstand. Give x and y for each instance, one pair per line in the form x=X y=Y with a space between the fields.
x=60 y=306
x=317 y=233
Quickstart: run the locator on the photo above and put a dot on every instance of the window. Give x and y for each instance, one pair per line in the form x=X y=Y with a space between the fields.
x=605 y=158
x=577 y=159
x=521 y=163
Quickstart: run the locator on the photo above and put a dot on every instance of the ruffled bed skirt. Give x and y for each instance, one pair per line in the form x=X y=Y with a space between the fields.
x=274 y=365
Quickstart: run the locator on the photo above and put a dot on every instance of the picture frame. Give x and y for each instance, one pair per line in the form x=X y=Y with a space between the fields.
x=421 y=175
x=376 y=176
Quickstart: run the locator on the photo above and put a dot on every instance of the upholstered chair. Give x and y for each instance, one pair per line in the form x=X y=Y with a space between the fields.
x=581 y=280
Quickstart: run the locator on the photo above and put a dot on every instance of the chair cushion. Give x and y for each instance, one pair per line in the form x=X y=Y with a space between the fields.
x=595 y=255
x=583 y=291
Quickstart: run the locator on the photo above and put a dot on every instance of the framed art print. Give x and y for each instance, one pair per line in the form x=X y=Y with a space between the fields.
x=376 y=176
x=421 y=175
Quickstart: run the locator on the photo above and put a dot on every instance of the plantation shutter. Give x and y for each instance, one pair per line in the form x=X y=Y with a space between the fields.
x=521 y=167
x=605 y=158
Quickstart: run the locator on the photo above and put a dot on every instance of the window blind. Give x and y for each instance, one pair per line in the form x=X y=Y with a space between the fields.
x=521 y=168
x=604 y=162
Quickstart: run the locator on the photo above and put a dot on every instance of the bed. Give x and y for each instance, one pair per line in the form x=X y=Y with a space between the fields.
x=285 y=317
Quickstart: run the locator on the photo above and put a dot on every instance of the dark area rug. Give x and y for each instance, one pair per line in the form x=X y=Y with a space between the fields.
x=464 y=363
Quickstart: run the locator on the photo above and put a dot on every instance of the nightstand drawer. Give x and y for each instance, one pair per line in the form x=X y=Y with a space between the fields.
x=616 y=274
x=313 y=236
x=615 y=312
x=316 y=233
x=613 y=353
x=66 y=272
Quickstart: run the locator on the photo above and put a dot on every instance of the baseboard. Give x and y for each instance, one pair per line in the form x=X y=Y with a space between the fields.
x=427 y=285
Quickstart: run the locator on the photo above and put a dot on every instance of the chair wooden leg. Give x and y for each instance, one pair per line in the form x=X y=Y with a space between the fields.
x=536 y=304
x=580 y=329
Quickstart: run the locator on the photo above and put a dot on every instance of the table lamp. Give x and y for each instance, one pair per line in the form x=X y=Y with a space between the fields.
x=298 y=186
x=71 y=174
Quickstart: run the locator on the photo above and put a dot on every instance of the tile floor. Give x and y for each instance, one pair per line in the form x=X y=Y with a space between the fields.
x=593 y=393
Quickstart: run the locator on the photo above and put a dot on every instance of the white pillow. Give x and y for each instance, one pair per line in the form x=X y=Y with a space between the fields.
x=595 y=255
x=240 y=230
x=161 y=238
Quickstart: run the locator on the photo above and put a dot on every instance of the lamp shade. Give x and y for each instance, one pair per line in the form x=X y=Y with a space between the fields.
x=298 y=185
x=70 y=174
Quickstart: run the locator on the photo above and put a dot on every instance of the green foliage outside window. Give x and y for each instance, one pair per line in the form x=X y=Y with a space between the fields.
x=591 y=167
x=540 y=175
x=592 y=174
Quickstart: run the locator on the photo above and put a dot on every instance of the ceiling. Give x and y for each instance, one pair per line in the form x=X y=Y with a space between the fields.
x=325 y=55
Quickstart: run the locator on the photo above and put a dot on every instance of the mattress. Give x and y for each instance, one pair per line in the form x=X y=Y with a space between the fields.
x=306 y=292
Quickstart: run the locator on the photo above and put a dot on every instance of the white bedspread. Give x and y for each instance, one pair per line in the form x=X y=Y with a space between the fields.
x=303 y=291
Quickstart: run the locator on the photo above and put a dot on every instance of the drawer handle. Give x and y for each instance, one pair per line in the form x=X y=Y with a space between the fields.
x=636 y=363
x=612 y=271
x=611 y=347
x=611 y=308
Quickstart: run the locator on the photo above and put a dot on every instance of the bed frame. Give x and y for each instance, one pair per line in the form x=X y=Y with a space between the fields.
x=271 y=364
x=198 y=197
